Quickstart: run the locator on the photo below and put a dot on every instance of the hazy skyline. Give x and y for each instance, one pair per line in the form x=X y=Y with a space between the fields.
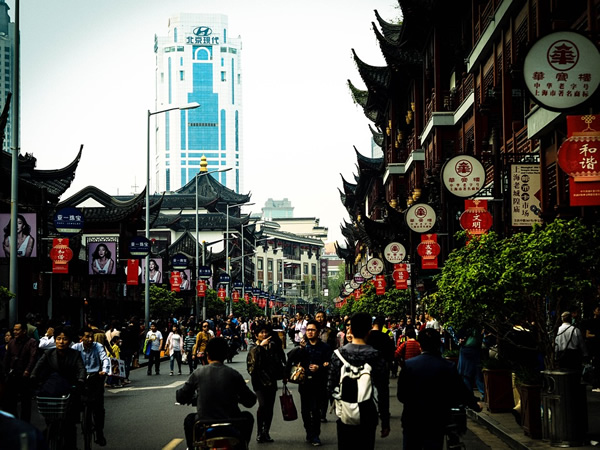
x=87 y=77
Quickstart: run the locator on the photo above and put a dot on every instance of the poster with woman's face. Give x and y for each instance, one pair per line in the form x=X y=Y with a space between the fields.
x=26 y=235
x=155 y=272
x=186 y=280
x=102 y=256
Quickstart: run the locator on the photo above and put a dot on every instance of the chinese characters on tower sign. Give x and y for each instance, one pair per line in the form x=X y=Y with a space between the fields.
x=561 y=70
x=525 y=190
x=463 y=176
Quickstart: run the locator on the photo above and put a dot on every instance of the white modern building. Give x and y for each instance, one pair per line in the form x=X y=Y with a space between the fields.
x=7 y=42
x=198 y=61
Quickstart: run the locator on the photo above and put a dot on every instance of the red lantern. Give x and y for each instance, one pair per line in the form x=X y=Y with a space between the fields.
x=579 y=156
x=60 y=254
x=476 y=219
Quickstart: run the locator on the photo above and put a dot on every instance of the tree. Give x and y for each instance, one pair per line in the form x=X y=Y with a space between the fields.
x=530 y=277
x=394 y=303
x=163 y=302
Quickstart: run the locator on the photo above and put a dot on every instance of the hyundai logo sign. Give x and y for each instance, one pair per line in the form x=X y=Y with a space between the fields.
x=202 y=31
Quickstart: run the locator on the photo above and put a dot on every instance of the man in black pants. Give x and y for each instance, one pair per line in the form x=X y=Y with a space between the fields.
x=219 y=389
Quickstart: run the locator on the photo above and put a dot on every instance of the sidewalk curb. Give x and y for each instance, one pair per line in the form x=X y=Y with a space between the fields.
x=497 y=429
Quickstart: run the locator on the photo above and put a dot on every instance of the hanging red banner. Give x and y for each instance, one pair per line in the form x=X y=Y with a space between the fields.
x=254 y=299
x=271 y=304
x=60 y=254
x=201 y=288
x=401 y=276
x=476 y=220
x=235 y=296
x=133 y=267
x=578 y=156
x=380 y=285
x=429 y=250
x=247 y=298
x=175 y=281
x=221 y=294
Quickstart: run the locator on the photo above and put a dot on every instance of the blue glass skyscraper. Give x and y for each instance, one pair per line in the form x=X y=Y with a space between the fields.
x=197 y=61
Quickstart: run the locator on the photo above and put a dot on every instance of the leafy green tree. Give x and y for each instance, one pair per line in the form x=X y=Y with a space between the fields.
x=393 y=303
x=163 y=302
x=530 y=277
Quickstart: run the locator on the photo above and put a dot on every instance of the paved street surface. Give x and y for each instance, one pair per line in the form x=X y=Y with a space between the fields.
x=143 y=415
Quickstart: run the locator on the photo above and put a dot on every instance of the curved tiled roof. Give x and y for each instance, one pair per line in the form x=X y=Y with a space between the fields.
x=390 y=30
x=211 y=188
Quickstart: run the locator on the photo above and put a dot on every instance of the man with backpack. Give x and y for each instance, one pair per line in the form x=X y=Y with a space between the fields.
x=358 y=382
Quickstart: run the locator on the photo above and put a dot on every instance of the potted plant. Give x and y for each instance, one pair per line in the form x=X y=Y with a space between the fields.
x=529 y=384
x=497 y=379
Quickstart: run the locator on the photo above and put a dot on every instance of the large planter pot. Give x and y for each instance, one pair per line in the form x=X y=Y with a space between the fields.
x=498 y=390
x=531 y=410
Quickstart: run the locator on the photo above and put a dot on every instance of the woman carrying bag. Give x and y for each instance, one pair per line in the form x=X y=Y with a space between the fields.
x=266 y=361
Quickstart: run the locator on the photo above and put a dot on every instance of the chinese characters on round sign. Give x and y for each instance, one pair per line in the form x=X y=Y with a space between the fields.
x=394 y=252
x=463 y=176
x=420 y=218
x=561 y=70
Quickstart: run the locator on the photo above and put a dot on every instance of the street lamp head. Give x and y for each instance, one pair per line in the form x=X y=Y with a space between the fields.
x=192 y=105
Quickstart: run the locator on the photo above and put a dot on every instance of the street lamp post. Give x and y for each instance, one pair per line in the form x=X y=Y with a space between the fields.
x=197 y=309
x=243 y=260
x=147 y=259
x=227 y=269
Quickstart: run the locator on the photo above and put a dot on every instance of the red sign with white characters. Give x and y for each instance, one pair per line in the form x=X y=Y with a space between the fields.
x=60 y=254
x=401 y=276
x=380 y=284
x=221 y=293
x=579 y=156
x=247 y=298
x=235 y=296
x=175 y=281
x=476 y=219
x=201 y=287
x=429 y=250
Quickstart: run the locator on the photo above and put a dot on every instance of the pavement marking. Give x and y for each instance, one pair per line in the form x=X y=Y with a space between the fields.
x=146 y=388
x=171 y=445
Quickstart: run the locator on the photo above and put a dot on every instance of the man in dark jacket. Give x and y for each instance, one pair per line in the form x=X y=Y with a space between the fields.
x=219 y=389
x=314 y=356
x=358 y=353
x=19 y=361
x=424 y=419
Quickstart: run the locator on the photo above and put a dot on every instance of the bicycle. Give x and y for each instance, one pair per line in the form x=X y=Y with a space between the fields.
x=88 y=427
x=54 y=411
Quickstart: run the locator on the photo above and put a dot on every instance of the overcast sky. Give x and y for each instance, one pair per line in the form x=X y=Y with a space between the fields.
x=87 y=77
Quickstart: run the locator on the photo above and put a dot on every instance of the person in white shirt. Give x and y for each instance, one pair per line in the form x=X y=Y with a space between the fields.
x=299 y=328
x=47 y=341
x=569 y=344
x=173 y=348
x=156 y=340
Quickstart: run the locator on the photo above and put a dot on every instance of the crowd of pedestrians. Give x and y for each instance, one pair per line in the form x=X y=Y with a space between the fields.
x=34 y=353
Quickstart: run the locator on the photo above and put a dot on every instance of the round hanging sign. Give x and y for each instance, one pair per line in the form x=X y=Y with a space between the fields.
x=463 y=175
x=420 y=218
x=394 y=253
x=375 y=266
x=364 y=271
x=561 y=70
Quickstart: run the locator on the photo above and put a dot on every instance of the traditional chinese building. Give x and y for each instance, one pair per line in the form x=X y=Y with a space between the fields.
x=456 y=84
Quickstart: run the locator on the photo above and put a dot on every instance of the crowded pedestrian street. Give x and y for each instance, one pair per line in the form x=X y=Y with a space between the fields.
x=144 y=415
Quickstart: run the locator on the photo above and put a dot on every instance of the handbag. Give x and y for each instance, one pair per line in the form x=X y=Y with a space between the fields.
x=288 y=409
x=184 y=357
x=147 y=347
x=297 y=374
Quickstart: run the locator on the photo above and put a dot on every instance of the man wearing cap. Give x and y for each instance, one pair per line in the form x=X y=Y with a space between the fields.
x=569 y=345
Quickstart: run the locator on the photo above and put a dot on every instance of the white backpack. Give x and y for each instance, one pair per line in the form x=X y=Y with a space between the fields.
x=355 y=387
